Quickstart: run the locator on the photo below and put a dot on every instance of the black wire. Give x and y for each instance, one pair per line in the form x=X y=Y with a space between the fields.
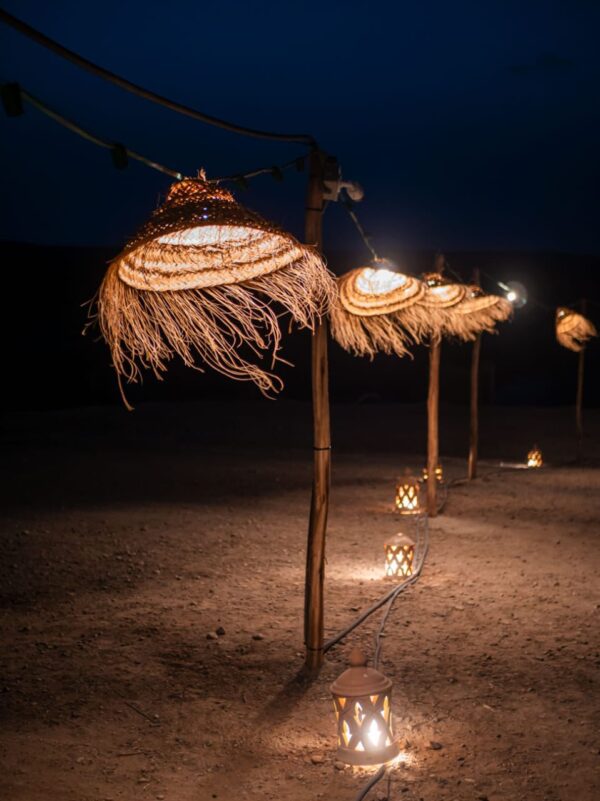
x=347 y=204
x=75 y=128
x=371 y=783
x=273 y=169
x=123 y=83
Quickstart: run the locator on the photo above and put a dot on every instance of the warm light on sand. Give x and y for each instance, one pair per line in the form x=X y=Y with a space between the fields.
x=403 y=760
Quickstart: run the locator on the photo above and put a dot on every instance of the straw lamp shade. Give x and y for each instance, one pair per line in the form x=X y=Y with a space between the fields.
x=198 y=280
x=439 y=298
x=478 y=312
x=573 y=330
x=378 y=311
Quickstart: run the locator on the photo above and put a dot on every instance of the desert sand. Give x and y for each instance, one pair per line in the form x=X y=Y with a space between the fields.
x=152 y=569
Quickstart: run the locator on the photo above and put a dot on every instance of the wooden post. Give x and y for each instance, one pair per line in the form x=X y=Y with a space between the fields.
x=433 y=403
x=319 y=507
x=474 y=422
x=579 y=394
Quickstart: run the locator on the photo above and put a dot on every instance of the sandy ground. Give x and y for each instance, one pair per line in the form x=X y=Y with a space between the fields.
x=127 y=539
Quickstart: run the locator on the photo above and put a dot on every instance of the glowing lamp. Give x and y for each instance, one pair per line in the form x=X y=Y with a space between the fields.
x=515 y=293
x=362 y=702
x=378 y=311
x=408 y=491
x=534 y=457
x=438 y=473
x=399 y=556
x=198 y=281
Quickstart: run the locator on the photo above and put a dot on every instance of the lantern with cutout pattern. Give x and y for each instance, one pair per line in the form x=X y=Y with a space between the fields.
x=362 y=701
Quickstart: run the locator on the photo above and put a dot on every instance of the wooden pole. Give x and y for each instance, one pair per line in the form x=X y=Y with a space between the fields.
x=579 y=394
x=315 y=554
x=474 y=422
x=433 y=403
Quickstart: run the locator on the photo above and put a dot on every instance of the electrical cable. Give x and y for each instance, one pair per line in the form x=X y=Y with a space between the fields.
x=275 y=170
x=394 y=592
x=370 y=784
x=347 y=204
x=147 y=94
x=75 y=128
x=422 y=548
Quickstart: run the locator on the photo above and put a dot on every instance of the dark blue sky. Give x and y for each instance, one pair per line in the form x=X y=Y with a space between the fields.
x=471 y=125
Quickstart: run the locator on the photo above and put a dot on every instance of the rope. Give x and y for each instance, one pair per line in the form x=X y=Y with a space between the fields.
x=123 y=83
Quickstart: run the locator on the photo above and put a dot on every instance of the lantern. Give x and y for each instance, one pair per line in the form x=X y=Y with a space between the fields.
x=378 y=311
x=438 y=473
x=408 y=489
x=534 y=457
x=399 y=556
x=362 y=702
x=198 y=280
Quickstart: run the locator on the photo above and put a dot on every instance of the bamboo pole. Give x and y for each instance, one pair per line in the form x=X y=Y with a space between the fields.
x=433 y=403
x=474 y=421
x=315 y=553
x=579 y=393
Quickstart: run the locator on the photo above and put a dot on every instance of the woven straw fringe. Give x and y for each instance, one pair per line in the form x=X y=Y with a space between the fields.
x=145 y=329
x=573 y=330
x=466 y=324
x=393 y=332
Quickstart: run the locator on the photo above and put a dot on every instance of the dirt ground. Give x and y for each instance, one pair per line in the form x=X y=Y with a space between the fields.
x=128 y=540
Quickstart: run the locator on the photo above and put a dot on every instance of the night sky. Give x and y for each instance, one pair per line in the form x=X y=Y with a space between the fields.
x=471 y=125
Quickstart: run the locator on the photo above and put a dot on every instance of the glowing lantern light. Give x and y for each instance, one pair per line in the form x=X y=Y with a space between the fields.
x=534 y=457
x=438 y=472
x=362 y=702
x=399 y=556
x=408 y=491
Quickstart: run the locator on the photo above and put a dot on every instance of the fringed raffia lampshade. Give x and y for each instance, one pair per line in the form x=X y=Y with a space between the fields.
x=438 y=301
x=198 y=280
x=573 y=330
x=378 y=311
x=478 y=312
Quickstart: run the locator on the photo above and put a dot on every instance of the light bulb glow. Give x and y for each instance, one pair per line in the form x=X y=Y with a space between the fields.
x=379 y=282
x=374 y=734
